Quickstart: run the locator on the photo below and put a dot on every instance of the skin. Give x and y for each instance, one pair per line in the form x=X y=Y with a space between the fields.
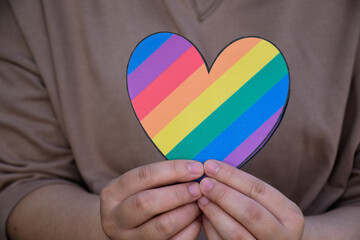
x=144 y=203
x=152 y=208
x=262 y=212
x=120 y=213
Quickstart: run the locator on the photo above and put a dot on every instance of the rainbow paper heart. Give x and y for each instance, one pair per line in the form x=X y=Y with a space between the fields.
x=227 y=113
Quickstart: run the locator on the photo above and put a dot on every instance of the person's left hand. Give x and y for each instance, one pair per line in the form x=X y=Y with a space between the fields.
x=237 y=205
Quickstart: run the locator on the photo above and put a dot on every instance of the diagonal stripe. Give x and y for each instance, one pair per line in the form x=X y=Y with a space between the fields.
x=169 y=80
x=231 y=110
x=155 y=64
x=206 y=103
x=145 y=49
x=269 y=136
x=189 y=90
x=245 y=125
x=175 y=102
x=246 y=149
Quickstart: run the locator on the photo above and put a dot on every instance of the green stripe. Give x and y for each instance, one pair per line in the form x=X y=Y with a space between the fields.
x=226 y=114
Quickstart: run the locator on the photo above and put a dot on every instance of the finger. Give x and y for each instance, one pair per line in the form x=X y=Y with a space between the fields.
x=168 y=224
x=155 y=175
x=252 y=215
x=224 y=224
x=210 y=231
x=144 y=205
x=189 y=232
x=273 y=200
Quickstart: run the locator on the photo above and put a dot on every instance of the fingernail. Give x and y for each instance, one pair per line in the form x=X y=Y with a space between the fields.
x=206 y=185
x=203 y=201
x=211 y=167
x=195 y=167
x=194 y=189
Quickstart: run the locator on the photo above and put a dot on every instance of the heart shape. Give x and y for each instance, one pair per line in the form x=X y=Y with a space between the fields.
x=226 y=113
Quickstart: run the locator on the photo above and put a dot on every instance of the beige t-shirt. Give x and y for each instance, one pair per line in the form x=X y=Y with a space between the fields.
x=65 y=114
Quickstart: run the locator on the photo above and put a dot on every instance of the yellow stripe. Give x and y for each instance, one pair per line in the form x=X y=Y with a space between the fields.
x=214 y=96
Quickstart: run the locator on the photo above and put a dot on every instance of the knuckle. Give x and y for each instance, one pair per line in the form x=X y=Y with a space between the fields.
x=299 y=217
x=253 y=213
x=166 y=225
x=179 y=193
x=258 y=189
x=145 y=174
x=111 y=229
x=142 y=203
x=296 y=217
x=108 y=225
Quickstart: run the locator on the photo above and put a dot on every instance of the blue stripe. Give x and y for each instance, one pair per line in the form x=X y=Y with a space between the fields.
x=247 y=123
x=147 y=47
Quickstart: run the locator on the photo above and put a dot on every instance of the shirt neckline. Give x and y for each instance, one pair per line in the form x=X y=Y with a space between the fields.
x=203 y=14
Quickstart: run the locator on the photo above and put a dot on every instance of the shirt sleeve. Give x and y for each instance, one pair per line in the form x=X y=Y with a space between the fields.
x=33 y=149
x=351 y=137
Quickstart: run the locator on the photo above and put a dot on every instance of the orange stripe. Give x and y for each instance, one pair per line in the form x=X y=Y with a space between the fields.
x=193 y=86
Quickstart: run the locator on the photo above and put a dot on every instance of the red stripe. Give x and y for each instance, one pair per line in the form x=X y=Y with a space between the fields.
x=167 y=82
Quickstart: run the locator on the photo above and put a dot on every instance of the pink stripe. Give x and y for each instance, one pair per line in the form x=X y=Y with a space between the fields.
x=247 y=148
x=169 y=80
x=156 y=63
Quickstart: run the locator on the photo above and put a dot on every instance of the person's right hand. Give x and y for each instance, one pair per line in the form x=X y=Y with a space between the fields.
x=145 y=203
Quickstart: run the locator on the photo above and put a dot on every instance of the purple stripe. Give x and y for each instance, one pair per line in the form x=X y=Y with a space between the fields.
x=247 y=147
x=156 y=63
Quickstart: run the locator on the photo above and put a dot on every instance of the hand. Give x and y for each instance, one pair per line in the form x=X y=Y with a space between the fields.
x=237 y=205
x=142 y=203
